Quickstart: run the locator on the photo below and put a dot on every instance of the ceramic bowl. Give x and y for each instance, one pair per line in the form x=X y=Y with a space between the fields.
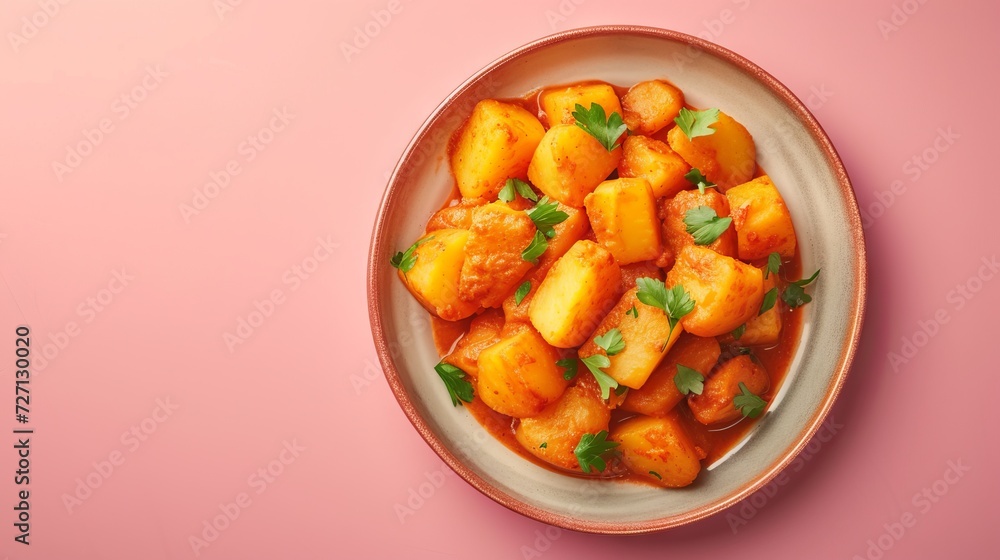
x=797 y=154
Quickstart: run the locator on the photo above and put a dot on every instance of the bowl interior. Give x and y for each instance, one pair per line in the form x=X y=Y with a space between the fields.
x=791 y=148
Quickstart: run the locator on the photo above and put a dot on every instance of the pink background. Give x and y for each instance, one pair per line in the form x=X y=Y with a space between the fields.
x=302 y=394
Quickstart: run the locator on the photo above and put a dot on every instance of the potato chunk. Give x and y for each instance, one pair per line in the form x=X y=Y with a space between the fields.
x=764 y=329
x=652 y=105
x=660 y=394
x=569 y=164
x=645 y=339
x=654 y=161
x=715 y=404
x=484 y=331
x=434 y=278
x=493 y=263
x=456 y=216
x=675 y=234
x=727 y=292
x=568 y=232
x=575 y=295
x=623 y=216
x=727 y=158
x=763 y=223
x=578 y=411
x=496 y=143
x=559 y=103
x=660 y=446
x=518 y=376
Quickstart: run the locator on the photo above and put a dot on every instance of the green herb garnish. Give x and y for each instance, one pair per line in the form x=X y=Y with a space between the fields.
x=794 y=295
x=405 y=260
x=698 y=180
x=518 y=186
x=535 y=249
x=689 y=380
x=546 y=214
x=607 y=130
x=611 y=342
x=696 y=123
x=522 y=292
x=705 y=225
x=590 y=450
x=459 y=388
x=674 y=302
x=749 y=404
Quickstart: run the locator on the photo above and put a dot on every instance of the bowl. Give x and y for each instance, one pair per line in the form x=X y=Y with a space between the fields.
x=796 y=153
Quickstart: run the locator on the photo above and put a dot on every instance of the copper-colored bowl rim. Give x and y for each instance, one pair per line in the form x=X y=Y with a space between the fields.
x=379 y=255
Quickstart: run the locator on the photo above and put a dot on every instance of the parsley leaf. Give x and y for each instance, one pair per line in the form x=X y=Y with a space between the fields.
x=594 y=364
x=607 y=130
x=455 y=380
x=770 y=298
x=535 y=249
x=652 y=292
x=794 y=295
x=696 y=123
x=656 y=474
x=522 y=292
x=588 y=452
x=675 y=302
x=405 y=261
x=705 y=225
x=612 y=342
x=518 y=186
x=749 y=404
x=698 y=180
x=773 y=264
x=546 y=214
x=570 y=366
x=689 y=380
x=738 y=331
x=633 y=312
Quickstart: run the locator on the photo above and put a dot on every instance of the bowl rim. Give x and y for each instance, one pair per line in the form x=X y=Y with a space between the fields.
x=378 y=255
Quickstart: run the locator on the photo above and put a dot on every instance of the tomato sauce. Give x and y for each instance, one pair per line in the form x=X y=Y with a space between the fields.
x=715 y=440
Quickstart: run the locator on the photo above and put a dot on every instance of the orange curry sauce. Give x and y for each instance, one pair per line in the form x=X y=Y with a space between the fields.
x=715 y=440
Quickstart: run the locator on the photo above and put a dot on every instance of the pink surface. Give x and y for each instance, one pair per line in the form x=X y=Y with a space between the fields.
x=157 y=408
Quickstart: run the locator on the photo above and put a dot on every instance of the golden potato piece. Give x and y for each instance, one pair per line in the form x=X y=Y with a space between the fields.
x=645 y=339
x=484 y=331
x=575 y=295
x=569 y=164
x=518 y=376
x=650 y=106
x=434 y=278
x=493 y=263
x=496 y=143
x=623 y=216
x=763 y=223
x=660 y=394
x=763 y=329
x=727 y=158
x=727 y=292
x=567 y=233
x=659 y=449
x=559 y=103
x=456 y=216
x=675 y=234
x=560 y=426
x=654 y=161
x=715 y=404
